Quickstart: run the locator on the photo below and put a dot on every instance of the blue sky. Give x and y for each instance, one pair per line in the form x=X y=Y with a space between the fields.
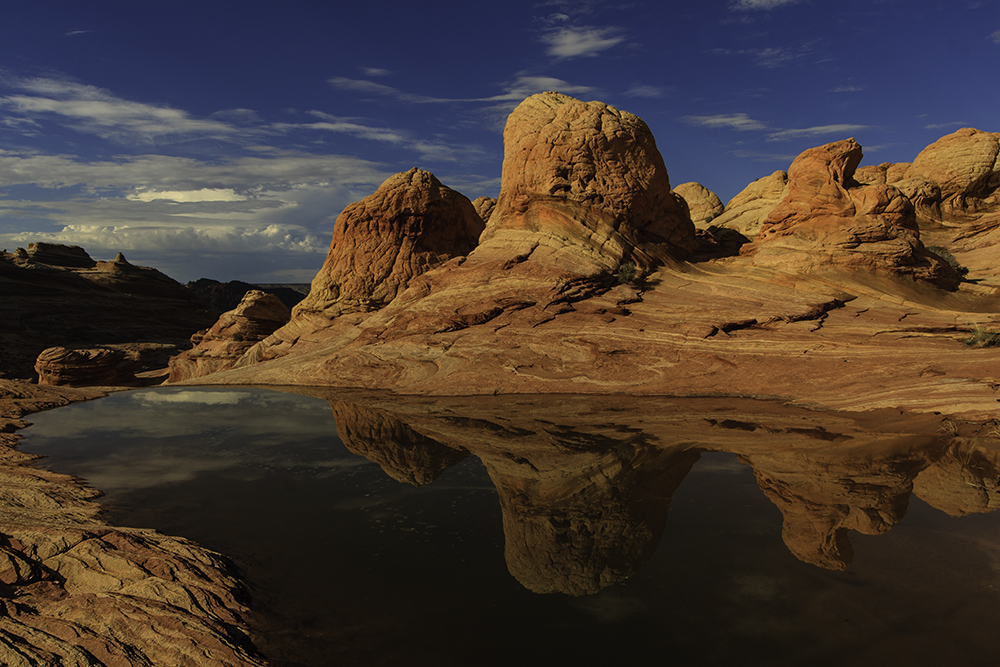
x=221 y=139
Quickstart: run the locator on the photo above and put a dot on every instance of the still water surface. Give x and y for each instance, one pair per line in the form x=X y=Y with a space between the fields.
x=532 y=537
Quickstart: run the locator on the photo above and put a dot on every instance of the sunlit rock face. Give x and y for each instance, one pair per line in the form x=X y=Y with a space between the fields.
x=956 y=178
x=828 y=218
x=257 y=316
x=410 y=225
x=703 y=204
x=85 y=367
x=746 y=212
x=401 y=452
x=587 y=176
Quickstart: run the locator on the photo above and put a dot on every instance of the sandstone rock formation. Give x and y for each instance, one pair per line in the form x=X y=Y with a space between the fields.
x=226 y=296
x=484 y=207
x=55 y=254
x=93 y=367
x=586 y=175
x=703 y=204
x=256 y=317
x=829 y=218
x=746 y=212
x=410 y=225
x=956 y=177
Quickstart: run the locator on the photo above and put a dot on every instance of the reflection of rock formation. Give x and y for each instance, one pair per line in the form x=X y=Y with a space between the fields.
x=965 y=480
x=401 y=452
x=825 y=494
x=578 y=523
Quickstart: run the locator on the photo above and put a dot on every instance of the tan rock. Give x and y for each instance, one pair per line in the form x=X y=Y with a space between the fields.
x=828 y=218
x=410 y=225
x=484 y=207
x=745 y=213
x=257 y=316
x=88 y=367
x=703 y=204
x=587 y=176
x=965 y=167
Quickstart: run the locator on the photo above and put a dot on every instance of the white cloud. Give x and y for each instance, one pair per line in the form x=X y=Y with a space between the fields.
x=733 y=121
x=995 y=37
x=202 y=195
x=941 y=126
x=375 y=71
x=576 y=41
x=96 y=111
x=752 y=5
x=846 y=89
x=819 y=130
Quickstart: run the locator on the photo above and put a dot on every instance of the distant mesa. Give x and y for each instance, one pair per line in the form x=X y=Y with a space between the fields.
x=227 y=295
x=55 y=254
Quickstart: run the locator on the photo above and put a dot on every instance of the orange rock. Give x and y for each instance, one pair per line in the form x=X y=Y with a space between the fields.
x=94 y=367
x=703 y=204
x=828 y=218
x=257 y=316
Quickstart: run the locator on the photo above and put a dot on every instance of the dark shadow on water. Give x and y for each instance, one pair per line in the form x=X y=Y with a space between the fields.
x=563 y=529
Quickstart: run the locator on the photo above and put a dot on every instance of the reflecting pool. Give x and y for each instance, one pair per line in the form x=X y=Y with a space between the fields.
x=378 y=530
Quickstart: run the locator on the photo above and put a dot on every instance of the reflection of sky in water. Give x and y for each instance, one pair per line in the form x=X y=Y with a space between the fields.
x=351 y=563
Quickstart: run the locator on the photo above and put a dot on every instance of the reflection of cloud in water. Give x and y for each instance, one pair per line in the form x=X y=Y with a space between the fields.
x=612 y=605
x=192 y=396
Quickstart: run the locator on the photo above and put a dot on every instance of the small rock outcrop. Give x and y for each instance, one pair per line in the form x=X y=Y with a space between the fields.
x=92 y=367
x=484 y=207
x=828 y=218
x=55 y=254
x=746 y=212
x=257 y=316
x=956 y=177
x=703 y=204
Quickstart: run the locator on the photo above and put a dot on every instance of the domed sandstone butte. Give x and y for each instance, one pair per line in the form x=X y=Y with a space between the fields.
x=586 y=176
x=746 y=212
x=828 y=218
x=256 y=317
x=703 y=204
x=957 y=177
x=484 y=207
x=410 y=225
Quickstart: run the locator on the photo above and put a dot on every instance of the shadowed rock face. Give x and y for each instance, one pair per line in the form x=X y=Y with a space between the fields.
x=95 y=367
x=584 y=174
x=965 y=480
x=257 y=316
x=827 y=218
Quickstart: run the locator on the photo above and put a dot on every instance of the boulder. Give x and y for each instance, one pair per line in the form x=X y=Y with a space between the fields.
x=257 y=316
x=703 y=204
x=828 y=218
x=88 y=367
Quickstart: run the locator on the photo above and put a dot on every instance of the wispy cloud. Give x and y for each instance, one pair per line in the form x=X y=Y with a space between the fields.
x=995 y=37
x=522 y=86
x=640 y=90
x=755 y=5
x=375 y=71
x=576 y=41
x=817 y=131
x=732 y=121
x=72 y=33
x=942 y=126
x=96 y=111
x=772 y=56
x=846 y=89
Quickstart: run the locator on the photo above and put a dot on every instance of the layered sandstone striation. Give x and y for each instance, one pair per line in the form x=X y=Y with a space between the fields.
x=746 y=212
x=410 y=225
x=89 y=367
x=828 y=218
x=703 y=204
x=257 y=316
